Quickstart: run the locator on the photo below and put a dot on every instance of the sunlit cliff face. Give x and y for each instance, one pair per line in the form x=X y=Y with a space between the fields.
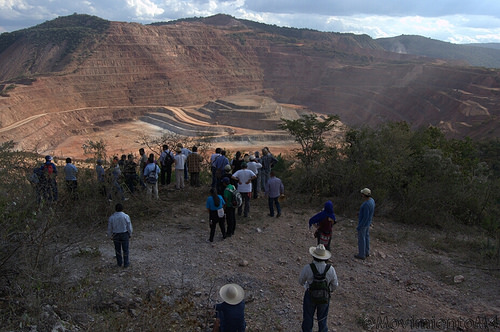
x=132 y=69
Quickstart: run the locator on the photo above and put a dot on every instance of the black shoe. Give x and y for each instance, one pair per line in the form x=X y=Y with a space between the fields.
x=278 y=215
x=271 y=215
x=359 y=257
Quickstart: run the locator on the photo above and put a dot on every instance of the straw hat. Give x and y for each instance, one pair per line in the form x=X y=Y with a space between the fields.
x=320 y=252
x=232 y=293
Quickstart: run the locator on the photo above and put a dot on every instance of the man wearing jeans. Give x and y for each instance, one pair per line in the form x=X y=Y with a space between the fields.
x=365 y=217
x=320 y=257
x=120 y=230
x=274 y=189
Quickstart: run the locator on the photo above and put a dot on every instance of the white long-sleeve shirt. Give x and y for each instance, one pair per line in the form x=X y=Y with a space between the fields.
x=306 y=275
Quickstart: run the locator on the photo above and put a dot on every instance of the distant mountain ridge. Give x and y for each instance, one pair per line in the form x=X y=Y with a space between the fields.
x=481 y=55
x=70 y=74
x=495 y=46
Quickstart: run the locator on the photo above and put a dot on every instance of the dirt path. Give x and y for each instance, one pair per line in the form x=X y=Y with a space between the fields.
x=401 y=284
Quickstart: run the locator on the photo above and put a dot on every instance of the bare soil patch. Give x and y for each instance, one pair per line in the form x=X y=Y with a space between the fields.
x=403 y=283
x=124 y=138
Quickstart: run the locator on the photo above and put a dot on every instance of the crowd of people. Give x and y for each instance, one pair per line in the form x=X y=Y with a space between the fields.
x=234 y=183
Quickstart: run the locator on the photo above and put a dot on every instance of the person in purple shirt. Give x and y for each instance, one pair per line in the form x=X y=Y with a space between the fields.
x=274 y=189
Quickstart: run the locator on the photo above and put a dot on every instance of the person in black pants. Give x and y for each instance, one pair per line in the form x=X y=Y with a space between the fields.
x=120 y=230
x=215 y=206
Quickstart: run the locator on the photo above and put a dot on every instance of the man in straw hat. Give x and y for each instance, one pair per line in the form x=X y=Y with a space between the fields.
x=231 y=312
x=311 y=276
x=365 y=217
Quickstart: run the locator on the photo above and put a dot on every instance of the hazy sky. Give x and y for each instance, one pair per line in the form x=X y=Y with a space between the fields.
x=456 y=21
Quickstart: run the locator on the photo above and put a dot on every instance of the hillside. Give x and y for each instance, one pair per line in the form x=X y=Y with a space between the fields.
x=415 y=278
x=495 y=46
x=81 y=75
x=478 y=55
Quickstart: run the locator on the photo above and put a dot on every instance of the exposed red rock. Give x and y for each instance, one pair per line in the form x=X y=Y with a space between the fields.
x=132 y=70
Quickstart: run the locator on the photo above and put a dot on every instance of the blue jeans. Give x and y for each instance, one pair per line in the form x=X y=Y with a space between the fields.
x=272 y=202
x=231 y=220
x=364 y=241
x=308 y=309
x=121 y=241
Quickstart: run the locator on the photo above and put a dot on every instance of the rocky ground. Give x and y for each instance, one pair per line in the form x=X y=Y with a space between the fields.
x=407 y=284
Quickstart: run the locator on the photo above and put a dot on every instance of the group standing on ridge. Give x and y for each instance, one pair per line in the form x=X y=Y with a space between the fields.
x=234 y=183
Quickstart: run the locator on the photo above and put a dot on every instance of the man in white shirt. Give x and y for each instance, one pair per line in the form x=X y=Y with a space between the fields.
x=120 y=231
x=180 y=161
x=70 y=172
x=244 y=177
x=254 y=166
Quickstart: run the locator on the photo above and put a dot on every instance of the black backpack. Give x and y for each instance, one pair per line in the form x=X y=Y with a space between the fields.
x=169 y=160
x=319 y=290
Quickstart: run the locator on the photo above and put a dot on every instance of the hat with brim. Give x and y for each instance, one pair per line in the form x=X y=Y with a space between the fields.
x=320 y=252
x=232 y=293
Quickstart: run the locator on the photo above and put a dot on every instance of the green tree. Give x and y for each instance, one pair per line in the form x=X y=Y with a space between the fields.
x=309 y=131
x=97 y=149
